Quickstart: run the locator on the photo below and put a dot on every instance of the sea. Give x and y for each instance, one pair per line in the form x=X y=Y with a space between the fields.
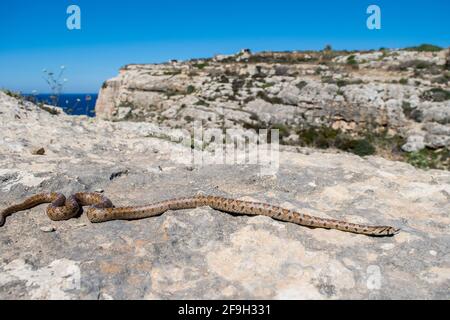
x=71 y=103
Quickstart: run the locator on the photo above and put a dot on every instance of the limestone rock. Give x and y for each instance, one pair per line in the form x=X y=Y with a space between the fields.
x=203 y=253
x=414 y=143
x=387 y=91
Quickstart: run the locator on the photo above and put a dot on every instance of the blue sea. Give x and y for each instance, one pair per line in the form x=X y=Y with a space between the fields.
x=73 y=103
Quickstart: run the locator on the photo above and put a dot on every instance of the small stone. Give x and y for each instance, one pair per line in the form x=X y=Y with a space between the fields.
x=99 y=190
x=80 y=225
x=433 y=253
x=414 y=143
x=38 y=151
x=47 y=229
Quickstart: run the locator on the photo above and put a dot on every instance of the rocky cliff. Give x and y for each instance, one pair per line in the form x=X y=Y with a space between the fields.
x=402 y=93
x=204 y=253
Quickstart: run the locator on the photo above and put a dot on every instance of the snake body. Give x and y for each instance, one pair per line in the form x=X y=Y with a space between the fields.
x=101 y=209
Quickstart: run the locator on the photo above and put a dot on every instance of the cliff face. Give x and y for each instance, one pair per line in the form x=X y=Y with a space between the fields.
x=401 y=91
x=204 y=253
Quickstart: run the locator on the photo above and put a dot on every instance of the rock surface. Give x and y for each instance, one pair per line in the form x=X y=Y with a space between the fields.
x=406 y=92
x=203 y=253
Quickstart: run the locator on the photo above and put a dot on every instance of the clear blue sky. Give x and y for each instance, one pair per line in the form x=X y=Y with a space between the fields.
x=33 y=34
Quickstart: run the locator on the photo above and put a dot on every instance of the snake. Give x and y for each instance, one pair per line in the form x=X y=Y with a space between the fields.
x=101 y=209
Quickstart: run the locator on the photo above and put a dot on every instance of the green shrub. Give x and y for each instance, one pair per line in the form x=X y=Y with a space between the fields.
x=301 y=84
x=274 y=100
x=267 y=85
x=364 y=144
x=425 y=48
x=423 y=65
x=351 y=61
x=237 y=84
x=200 y=65
x=322 y=137
x=424 y=159
x=403 y=81
x=188 y=118
x=13 y=94
x=282 y=129
x=407 y=109
x=416 y=115
x=223 y=79
x=360 y=147
x=447 y=61
x=436 y=95
x=190 y=89
x=430 y=159
x=326 y=137
x=172 y=72
x=418 y=159
x=341 y=83
x=442 y=79
x=202 y=103
x=414 y=64
x=308 y=136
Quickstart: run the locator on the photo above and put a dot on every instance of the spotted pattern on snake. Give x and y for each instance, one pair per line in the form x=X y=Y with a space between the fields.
x=101 y=209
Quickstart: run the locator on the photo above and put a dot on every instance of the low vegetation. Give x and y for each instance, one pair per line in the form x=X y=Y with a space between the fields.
x=430 y=159
x=13 y=94
x=413 y=64
x=21 y=99
x=425 y=48
x=362 y=144
x=444 y=78
x=264 y=96
x=326 y=137
x=436 y=95
x=173 y=72
x=351 y=61
x=190 y=89
x=201 y=65
x=412 y=113
x=370 y=143
x=201 y=102
x=341 y=82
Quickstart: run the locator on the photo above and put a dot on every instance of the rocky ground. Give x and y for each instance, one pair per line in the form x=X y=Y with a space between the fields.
x=204 y=253
x=397 y=100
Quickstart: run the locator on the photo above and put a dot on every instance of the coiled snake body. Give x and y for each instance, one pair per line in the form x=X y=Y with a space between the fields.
x=101 y=209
